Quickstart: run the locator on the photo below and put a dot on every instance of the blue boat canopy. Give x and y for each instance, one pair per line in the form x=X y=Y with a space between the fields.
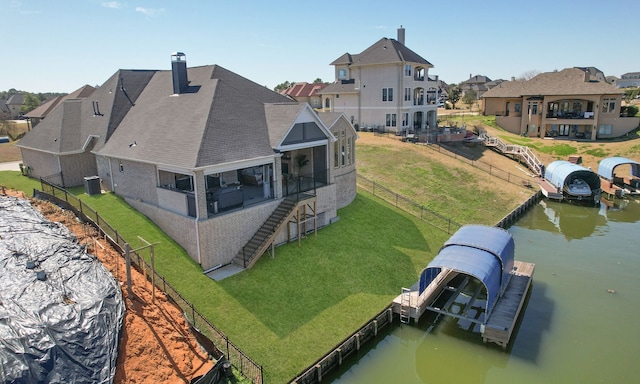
x=561 y=172
x=483 y=252
x=606 y=167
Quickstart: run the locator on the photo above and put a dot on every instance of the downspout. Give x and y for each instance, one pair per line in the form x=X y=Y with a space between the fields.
x=113 y=189
x=196 y=221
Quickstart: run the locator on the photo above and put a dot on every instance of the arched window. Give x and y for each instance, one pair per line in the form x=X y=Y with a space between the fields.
x=327 y=103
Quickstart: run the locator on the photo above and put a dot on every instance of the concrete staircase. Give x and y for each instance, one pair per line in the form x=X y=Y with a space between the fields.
x=520 y=151
x=266 y=235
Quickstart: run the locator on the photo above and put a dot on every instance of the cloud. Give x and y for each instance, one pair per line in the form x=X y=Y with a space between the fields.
x=112 y=4
x=149 y=11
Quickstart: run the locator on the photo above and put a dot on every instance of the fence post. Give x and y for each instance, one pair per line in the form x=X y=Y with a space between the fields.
x=396 y=200
x=80 y=205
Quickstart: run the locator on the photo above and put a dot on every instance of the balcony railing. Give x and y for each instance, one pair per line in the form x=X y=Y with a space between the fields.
x=570 y=115
x=294 y=184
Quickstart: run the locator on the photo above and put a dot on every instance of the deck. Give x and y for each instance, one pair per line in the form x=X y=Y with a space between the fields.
x=548 y=189
x=503 y=318
x=498 y=328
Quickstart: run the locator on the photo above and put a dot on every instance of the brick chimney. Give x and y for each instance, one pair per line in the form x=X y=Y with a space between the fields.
x=179 y=72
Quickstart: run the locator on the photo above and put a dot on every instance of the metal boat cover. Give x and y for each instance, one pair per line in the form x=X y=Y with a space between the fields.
x=486 y=253
x=607 y=166
x=61 y=311
x=559 y=171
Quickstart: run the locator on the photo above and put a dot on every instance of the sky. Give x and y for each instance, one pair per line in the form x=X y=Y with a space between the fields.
x=62 y=45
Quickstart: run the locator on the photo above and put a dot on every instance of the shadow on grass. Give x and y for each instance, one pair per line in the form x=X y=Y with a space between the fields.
x=373 y=249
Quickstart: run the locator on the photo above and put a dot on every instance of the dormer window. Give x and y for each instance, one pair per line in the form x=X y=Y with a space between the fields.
x=342 y=74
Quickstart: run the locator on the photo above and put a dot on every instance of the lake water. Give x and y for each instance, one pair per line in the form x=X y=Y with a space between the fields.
x=581 y=323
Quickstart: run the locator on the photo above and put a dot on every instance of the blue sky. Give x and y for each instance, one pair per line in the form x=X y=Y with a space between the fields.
x=61 y=45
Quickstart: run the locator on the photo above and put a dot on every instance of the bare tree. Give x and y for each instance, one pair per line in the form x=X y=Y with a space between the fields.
x=528 y=75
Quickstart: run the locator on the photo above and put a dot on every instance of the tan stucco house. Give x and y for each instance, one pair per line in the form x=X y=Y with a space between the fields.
x=206 y=154
x=560 y=104
x=385 y=87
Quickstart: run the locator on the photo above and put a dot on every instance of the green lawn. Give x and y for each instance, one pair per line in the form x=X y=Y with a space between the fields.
x=288 y=311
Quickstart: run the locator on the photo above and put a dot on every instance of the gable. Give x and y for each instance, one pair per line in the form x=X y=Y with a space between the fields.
x=303 y=133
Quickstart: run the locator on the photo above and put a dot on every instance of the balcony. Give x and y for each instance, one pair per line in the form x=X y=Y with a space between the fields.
x=570 y=115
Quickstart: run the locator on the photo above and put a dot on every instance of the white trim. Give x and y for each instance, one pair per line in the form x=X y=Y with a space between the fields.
x=232 y=166
x=309 y=144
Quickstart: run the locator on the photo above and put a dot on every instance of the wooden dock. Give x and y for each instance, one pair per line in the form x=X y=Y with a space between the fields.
x=548 y=189
x=497 y=328
x=503 y=318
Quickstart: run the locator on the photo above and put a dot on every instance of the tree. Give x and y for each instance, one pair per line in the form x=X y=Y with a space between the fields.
x=469 y=98
x=30 y=103
x=630 y=94
x=454 y=95
x=318 y=81
x=528 y=75
x=283 y=86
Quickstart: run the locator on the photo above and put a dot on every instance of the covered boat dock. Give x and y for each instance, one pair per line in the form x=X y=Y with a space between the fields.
x=475 y=279
x=620 y=184
x=563 y=180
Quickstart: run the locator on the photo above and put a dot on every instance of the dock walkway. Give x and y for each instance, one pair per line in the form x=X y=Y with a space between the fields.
x=502 y=320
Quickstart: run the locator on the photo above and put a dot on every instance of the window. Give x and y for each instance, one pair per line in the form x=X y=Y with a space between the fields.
x=342 y=74
x=405 y=119
x=532 y=108
x=391 y=120
x=407 y=70
x=604 y=129
x=517 y=107
x=327 y=103
x=336 y=152
x=348 y=151
x=608 y=105
x=387 y=94
x=121 y=166
x=342 y=152
x=407 y=94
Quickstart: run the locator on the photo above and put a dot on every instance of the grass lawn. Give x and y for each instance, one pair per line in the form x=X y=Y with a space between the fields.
x=288 y=311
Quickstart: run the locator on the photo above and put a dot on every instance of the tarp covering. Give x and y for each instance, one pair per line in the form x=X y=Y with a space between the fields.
x=561 y=172
x=486 y=253
x=606 y=167
x=61 y=311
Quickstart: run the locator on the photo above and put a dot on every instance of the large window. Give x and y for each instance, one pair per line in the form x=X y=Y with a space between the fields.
x=387 y=94
x=336 y=152
x=608 y=105
x=533 y=108
x=604 y=129
x=391 y=120
x=407 y=69
x=342 y=74
x=407 y=94
x=405 y=119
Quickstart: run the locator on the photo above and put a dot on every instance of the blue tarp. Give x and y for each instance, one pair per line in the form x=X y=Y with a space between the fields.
x=483 y=252
x=606 y=167
x=561 y=172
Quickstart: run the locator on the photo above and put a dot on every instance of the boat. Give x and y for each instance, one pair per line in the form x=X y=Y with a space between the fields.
x=578 y=187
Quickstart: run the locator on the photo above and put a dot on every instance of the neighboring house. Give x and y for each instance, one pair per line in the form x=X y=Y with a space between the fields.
x=386 y=86
x=480 y=84
x=14 y=103
x=594 y=73
x=629 y=79
x=40 y=112
x=4 y=109
x=568 y=103
x=206 y=154
x=305 y=92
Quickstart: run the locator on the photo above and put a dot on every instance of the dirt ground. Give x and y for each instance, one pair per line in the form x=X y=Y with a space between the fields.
x=156 y=345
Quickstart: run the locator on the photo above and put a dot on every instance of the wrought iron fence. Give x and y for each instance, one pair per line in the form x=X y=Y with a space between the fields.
x=408 y=205
x=216 y=342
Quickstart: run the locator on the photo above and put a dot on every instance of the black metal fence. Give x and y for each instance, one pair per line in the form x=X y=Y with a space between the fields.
x=408 y=205
x=486 y=167
x=216 y=342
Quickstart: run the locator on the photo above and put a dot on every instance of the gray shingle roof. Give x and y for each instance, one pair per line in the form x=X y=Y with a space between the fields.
x=221 y=120
x=384 y=51
x=569 y=81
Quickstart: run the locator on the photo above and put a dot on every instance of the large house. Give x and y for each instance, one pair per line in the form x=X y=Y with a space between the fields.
x=385 y=87
x=206 y=154
x=306 y=92
x=40 y=112
x=564 y=104
x=629 y=79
